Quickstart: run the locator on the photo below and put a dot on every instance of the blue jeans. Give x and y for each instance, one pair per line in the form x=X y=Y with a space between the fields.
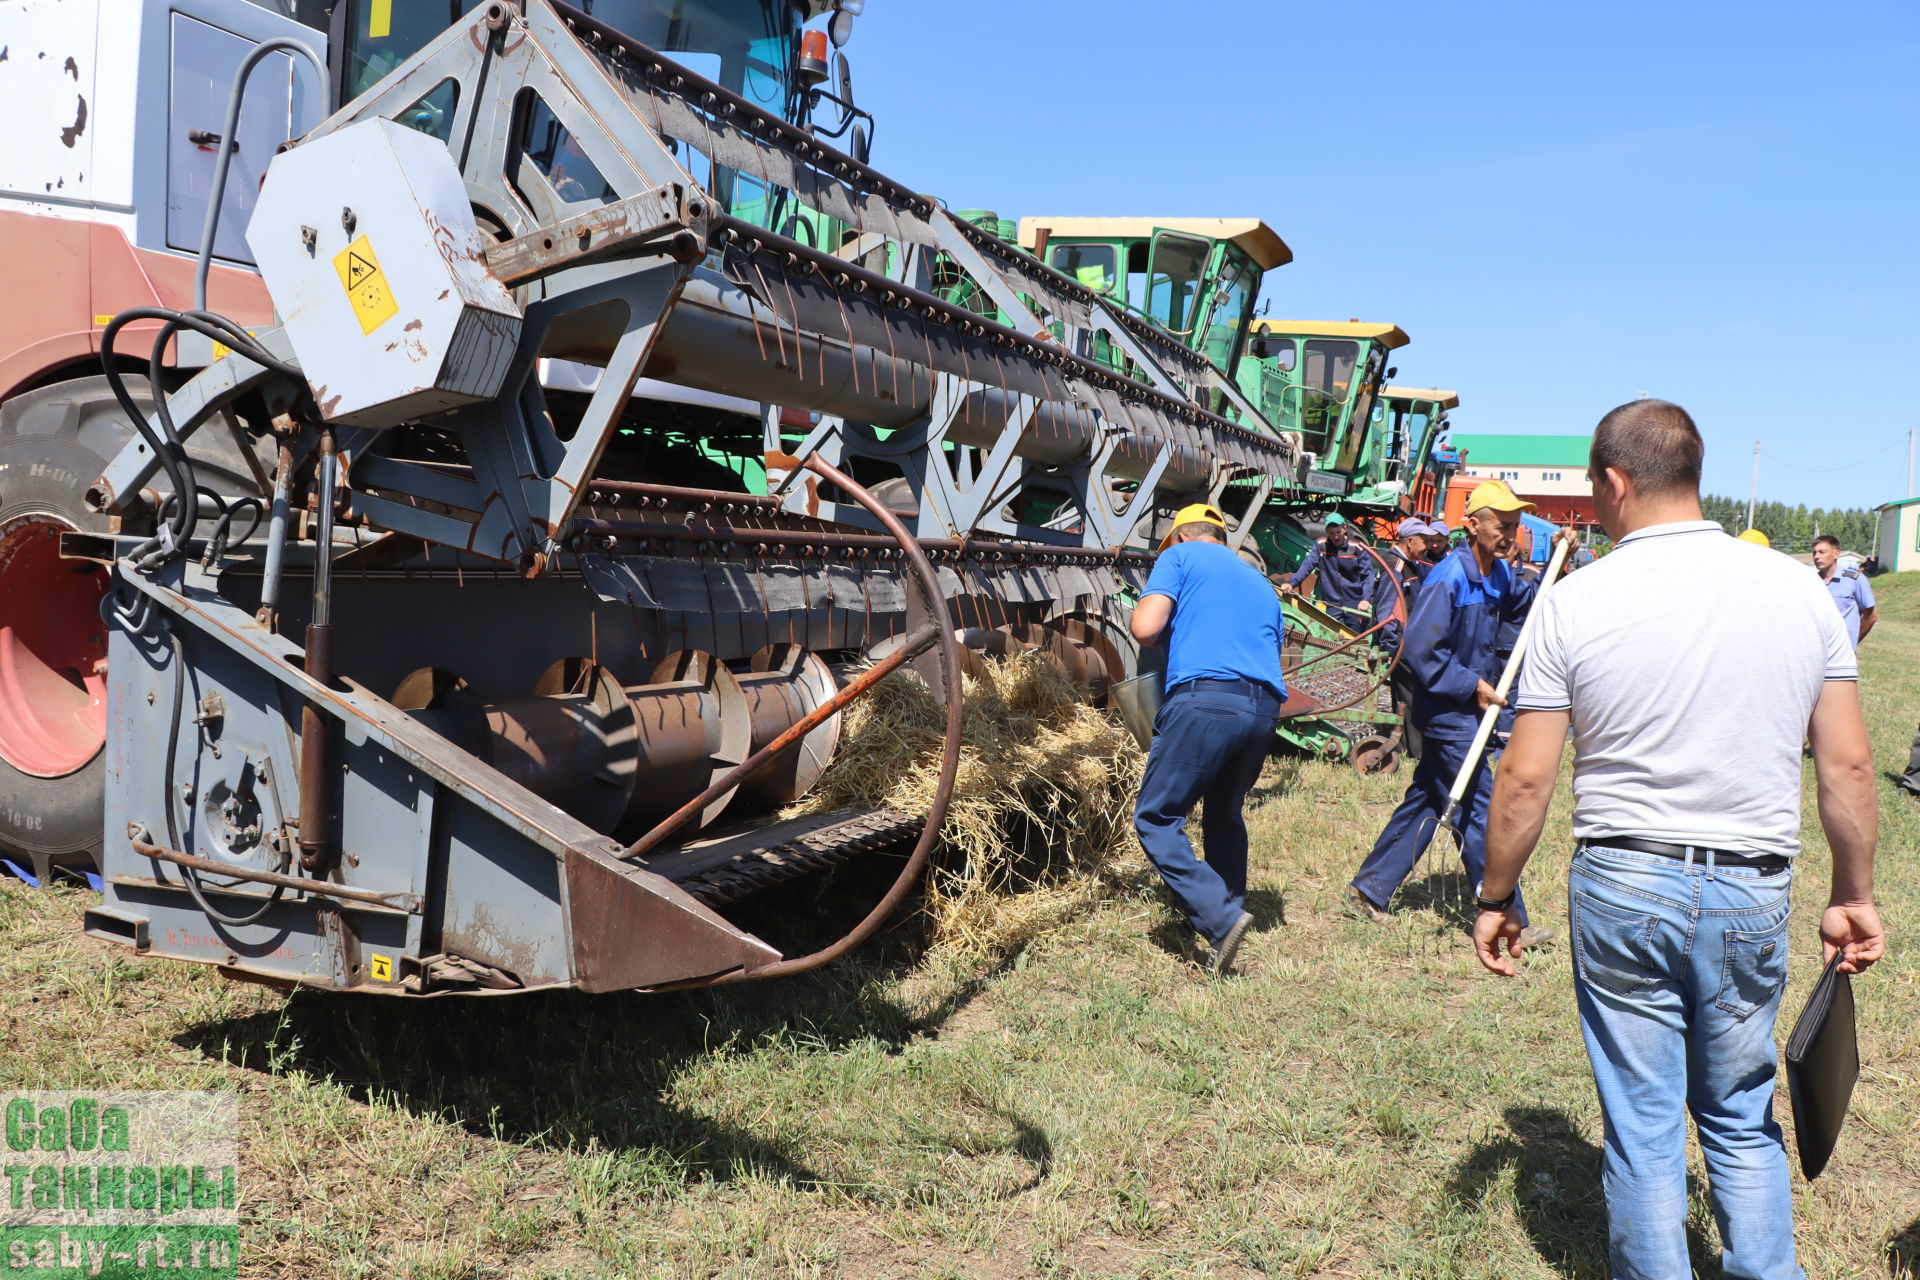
x=1411 y=826
x=1207 y=745
x=1679 y=968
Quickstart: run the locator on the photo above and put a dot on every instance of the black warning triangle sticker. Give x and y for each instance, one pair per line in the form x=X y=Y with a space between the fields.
x=358 y=269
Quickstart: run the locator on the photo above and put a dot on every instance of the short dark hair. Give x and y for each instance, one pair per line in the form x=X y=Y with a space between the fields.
x=1201 y=528
x=1829 y=539
x=1653 y=443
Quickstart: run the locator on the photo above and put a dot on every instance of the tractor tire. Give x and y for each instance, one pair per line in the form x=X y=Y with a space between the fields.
x=54 y=442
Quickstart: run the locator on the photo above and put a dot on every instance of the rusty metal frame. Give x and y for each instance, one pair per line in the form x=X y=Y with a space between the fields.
x=406 y=902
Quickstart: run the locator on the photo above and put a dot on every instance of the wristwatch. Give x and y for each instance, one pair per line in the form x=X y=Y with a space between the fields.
x=1491 y=904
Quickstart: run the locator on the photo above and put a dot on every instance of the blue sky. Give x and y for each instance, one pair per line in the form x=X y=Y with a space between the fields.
x=1565 y=204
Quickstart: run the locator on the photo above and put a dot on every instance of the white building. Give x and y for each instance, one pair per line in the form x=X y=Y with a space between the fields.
x=1898 y=537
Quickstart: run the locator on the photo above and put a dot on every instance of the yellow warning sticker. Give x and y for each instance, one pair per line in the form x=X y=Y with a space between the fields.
x=366 y=285
x=101 y=322
x=221 y=350
x=382 y=968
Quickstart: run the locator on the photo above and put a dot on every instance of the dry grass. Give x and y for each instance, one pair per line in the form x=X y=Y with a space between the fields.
x=1040 y=826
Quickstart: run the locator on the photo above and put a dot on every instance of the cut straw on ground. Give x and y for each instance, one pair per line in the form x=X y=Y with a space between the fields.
x=1040 y=825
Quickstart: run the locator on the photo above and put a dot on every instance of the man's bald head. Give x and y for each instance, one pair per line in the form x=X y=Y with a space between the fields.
x=1654 y=444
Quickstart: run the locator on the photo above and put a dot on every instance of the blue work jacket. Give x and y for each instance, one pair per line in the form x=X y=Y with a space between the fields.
x=1510 y=625
x=1409 y=572
x=1452 y=639
x=1346 y=575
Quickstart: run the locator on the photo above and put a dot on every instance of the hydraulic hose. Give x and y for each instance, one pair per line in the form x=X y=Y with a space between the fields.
x=167 y=444
x=228 y=145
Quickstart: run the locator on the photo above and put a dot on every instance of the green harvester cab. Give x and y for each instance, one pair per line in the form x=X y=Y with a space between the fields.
x=1414 y=470
x=1322 y=379
x=1194 y=278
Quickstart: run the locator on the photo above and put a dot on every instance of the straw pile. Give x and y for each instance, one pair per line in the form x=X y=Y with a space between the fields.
x=1040 y=827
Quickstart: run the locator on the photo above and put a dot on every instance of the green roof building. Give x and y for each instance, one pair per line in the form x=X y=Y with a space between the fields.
x=1548 y=471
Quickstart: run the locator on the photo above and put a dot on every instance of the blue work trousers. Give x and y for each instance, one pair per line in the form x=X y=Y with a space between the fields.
x=1411 y=826
x=1679 y=969
x=1208 y=744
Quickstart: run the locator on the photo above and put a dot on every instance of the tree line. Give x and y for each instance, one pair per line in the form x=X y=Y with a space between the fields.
x=1793 y=528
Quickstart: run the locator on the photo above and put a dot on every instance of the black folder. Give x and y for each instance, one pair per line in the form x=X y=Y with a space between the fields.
x=1823 y=1061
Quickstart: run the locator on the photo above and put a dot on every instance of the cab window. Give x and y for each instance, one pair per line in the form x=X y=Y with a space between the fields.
x=1283 y=353
x=1228 y=311
x=1094 y=265
x=1173 y=280
x=745 y=45
x=1329 y=365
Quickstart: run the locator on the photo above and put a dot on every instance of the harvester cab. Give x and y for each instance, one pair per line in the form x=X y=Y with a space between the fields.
x=1321 y=378
x=757 y=49
x=1415 y=421
x=1194 y=278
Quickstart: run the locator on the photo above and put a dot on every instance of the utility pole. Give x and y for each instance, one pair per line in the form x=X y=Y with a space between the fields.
x=1909 y=462
x=1753 y=494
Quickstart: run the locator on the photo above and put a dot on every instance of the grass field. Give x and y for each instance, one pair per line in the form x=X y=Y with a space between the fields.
x=1362 y=1102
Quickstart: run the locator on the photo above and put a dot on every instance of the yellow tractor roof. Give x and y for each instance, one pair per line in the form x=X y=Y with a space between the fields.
x=1388 y=335
x=1255 y=238
x=1445 y=399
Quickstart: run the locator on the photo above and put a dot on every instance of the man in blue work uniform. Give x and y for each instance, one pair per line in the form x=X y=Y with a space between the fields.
x=1220 y=623
x=1406 y=562
x=1346 y=575
x=1848 y=587
x=1408 y=556
x=1450 y=654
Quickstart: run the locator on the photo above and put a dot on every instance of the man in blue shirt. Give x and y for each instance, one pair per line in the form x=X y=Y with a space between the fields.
x=1346 y=575
x=1848 y=587
x=1450 y=653
x=1219 y=621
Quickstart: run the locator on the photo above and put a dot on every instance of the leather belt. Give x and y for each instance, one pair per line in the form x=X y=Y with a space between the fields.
x=1771 y=864
x=1248 y=687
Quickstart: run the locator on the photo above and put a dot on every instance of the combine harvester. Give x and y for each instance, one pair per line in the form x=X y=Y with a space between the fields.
x=1416 y=473
x=449 y=606
x=1198 y=279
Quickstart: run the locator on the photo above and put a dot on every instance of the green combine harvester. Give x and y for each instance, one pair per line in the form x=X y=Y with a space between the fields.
x=1414 y=420
x=1370 y=448
x=1323 y=382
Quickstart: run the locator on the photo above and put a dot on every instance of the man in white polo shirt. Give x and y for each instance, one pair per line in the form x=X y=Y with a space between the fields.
x=1688 y=713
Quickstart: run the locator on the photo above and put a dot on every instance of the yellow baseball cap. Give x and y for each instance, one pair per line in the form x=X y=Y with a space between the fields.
x=1494 y=495
x=1757 y=538
x=1197 y=513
